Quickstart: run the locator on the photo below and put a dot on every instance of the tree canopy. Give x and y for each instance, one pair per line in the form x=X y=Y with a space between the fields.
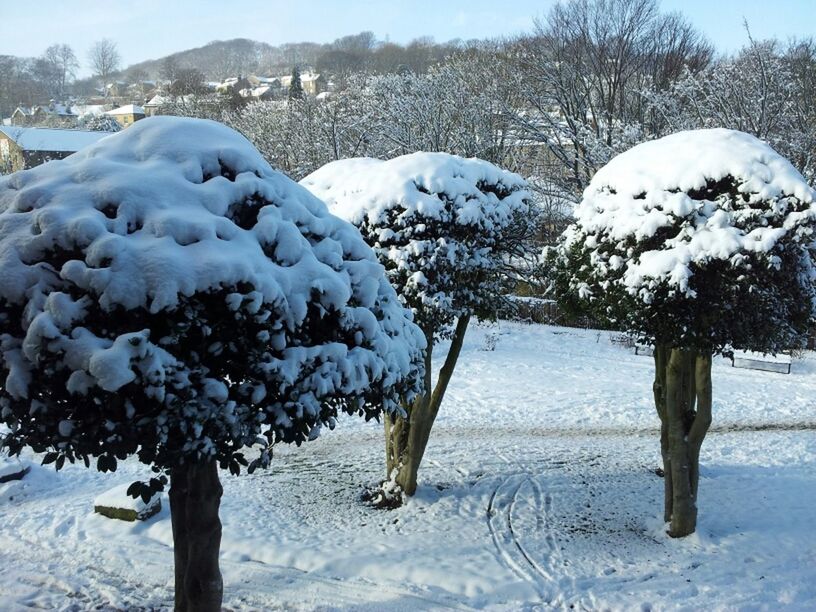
x=166 y=294
x=698 y=240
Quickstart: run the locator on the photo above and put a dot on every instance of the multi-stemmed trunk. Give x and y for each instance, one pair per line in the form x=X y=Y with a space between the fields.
x=682 y=393
x=407 y=438
x=195 y=496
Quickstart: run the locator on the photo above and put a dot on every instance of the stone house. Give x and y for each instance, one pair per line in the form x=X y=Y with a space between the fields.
x=127 y=115
x=26 y=147
x=313 y=84
x=58 y=113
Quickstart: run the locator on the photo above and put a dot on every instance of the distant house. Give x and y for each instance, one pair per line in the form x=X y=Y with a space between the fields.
x=154 y=104
x=264 y=92
x=26 y=147
x=127 y=115
x=257 y=81
x=234 y=84
x=24 y=115
x=312 y=83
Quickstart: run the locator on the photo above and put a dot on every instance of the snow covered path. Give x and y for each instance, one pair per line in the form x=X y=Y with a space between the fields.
x=538 y=491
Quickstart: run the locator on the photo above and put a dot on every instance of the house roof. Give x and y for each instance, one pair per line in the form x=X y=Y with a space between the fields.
x=157 y=100
x=127 y=109
x=54 y=109
x=51 y=139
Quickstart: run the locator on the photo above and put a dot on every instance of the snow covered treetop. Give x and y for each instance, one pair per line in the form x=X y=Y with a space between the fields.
x=169 y=265
x=698 y=238
x=420 y=185
x=687 y=161
x=169 y=208
x=720 y=194
x=441 y=225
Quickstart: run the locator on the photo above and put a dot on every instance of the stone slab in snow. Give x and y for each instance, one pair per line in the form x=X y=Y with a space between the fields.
x=117 y=504
x=13 y=469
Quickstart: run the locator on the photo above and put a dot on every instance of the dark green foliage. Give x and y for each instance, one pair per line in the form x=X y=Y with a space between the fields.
x=295 y=86
x=762 y=302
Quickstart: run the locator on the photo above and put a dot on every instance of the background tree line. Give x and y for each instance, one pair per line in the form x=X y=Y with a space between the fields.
x=593 y=78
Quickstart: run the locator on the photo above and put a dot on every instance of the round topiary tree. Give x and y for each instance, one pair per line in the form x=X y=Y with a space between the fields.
x=166 y=295
x=697 y=244
x=445 y=228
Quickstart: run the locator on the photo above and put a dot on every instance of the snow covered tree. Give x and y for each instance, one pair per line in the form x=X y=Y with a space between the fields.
x=300 y=136
x=697 y=244
x=444 y=227
x=100 y=123
x=166 y=295
x=763 y=90
x=295 y=86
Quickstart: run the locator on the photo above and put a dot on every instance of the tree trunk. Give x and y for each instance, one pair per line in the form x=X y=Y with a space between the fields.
x=195 y=497
x=661 y=357
x=407 y=438
x=178 y=520
x=682 y=381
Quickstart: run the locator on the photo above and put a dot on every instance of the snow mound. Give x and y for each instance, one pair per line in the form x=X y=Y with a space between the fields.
x=722 y=194
x=116 y=503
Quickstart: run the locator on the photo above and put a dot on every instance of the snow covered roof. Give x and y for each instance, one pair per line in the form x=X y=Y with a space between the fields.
x=157 y=100
x=60 y=110
x=128 y=109
x=354 y=188
x=51 y=139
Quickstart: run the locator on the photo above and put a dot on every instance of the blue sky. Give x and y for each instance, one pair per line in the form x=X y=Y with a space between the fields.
x=149 y=29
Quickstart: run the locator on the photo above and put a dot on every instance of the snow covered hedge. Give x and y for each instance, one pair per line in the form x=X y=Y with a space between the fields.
x=442 y=225
x=698 y=238
x=166 y=293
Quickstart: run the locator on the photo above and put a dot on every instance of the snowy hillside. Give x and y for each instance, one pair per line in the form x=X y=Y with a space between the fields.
x=538 y=488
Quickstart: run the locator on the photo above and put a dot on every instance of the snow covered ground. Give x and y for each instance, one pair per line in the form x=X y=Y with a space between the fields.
x=538 y=490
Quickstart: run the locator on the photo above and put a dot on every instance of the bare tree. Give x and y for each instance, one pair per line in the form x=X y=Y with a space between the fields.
x=763 y=90
x=104 y=59
x=581 y=74
x=64 y=64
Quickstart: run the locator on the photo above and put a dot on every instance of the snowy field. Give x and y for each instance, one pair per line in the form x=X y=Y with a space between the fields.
x=538 y=490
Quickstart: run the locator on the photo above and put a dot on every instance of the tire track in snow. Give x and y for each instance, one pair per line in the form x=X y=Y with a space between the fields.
x=507 y=538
